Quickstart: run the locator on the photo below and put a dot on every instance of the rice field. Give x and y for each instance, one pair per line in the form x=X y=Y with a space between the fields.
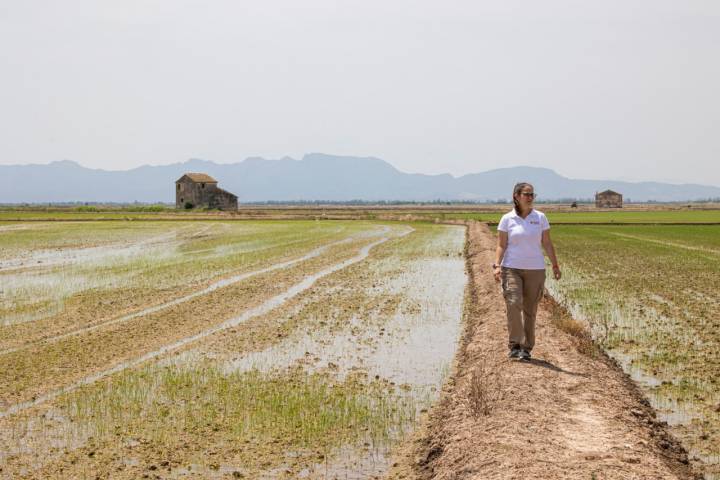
x=676 y=213
x=221 y=349
x=652 y=297
x=563 y=214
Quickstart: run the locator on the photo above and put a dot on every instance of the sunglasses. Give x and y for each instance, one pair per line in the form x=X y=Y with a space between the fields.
x=529 y=194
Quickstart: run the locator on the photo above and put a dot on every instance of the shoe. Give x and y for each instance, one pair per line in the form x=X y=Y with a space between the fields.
x=524 y=355
x=514 y=352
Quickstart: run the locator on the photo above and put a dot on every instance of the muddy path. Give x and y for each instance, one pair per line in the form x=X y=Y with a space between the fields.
x=565 y=415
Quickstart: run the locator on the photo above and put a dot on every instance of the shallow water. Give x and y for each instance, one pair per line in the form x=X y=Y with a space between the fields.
x=412 y=347
x=214 y=286
x=627 y=329
x=257 y=311
x=90 y=255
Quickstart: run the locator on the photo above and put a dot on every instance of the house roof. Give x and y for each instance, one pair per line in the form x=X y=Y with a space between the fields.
x=609 y=192
x=199 y=177
x=227 y=193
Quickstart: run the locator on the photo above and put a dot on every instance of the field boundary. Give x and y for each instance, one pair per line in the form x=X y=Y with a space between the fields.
x=319 y=216
x=564 y=415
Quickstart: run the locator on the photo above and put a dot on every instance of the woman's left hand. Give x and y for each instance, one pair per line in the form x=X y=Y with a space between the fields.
x=556 y=272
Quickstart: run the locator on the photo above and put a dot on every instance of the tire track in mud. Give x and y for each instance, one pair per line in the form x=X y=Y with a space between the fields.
x=211 y=288
x=11 y=228
x=20 y=335
x=666 y=244
x=262 y=309
x=51 y=258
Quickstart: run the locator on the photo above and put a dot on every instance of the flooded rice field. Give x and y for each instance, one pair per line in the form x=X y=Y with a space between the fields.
x=652 y=295
x=225 y=350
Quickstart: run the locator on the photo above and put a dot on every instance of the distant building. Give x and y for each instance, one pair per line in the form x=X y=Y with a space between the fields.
x=608 y=199
x=200 y=190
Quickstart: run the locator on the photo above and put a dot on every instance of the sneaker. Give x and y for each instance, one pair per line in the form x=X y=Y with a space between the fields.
x=514 y=352
x=524 y=355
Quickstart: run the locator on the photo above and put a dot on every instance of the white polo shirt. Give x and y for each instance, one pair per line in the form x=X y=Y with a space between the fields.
x=524 y=247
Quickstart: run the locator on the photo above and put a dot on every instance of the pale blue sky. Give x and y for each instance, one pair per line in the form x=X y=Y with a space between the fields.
x=613 y=89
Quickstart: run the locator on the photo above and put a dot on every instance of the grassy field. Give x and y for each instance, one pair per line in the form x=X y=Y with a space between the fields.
x=649 y=213
x=652 y=296
x=221 y=348
x=605 y=216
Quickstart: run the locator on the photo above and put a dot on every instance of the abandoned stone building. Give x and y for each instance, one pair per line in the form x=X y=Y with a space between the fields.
x=608 y=199
x=194 y=190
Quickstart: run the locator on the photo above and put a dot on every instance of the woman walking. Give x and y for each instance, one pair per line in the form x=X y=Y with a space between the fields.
x=520 y=264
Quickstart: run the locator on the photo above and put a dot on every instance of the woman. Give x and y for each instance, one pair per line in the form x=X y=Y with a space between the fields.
x=520 y=263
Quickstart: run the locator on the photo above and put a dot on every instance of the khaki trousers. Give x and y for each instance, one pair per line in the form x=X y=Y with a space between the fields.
x=522 y=290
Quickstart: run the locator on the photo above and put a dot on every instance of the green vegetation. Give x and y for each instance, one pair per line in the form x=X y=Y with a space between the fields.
x=652 y=297
x=584 y=216
x=267 y=413
x=43 y=365
x=104 y=268
x=491 y=213
x=329 y=384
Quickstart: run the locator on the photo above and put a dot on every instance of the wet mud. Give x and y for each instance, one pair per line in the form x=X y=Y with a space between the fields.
x=350 y=311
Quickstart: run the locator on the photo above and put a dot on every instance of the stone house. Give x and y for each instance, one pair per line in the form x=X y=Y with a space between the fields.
x=201 y=190
x=608 y=199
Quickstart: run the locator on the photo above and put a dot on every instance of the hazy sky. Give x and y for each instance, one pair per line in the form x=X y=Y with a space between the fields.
x=625 y=89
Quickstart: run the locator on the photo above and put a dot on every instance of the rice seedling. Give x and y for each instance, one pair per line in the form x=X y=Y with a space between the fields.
x=650 y=296
x=159 y=403
x=44 y=366
x=120 y=281
x=354 y=390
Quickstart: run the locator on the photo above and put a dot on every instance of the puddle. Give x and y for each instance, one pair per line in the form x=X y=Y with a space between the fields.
x=634 y=371
x=39 y=437
x=351 y=463
x=414 y=348
x=347 y=464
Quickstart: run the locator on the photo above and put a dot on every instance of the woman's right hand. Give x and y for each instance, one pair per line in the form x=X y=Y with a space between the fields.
x=497 y=272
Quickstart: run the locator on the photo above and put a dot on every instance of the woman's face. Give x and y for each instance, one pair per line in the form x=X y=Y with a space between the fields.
x=526 y=196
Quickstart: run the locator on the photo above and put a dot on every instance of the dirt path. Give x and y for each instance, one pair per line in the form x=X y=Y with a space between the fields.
x=565 y=415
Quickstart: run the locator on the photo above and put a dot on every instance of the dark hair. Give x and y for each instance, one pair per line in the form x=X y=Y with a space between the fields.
x=517 y=189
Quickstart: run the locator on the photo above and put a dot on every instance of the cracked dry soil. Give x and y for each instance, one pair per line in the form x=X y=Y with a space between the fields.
x=565 y=415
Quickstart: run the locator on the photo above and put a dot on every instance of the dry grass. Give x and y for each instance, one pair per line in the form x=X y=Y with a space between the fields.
x=580 y=332
x=485 y=390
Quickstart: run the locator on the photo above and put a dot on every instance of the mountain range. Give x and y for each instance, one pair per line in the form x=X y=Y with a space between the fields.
x=316 y=176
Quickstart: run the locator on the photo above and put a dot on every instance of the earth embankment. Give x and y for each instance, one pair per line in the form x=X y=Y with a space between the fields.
x=570 y=413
